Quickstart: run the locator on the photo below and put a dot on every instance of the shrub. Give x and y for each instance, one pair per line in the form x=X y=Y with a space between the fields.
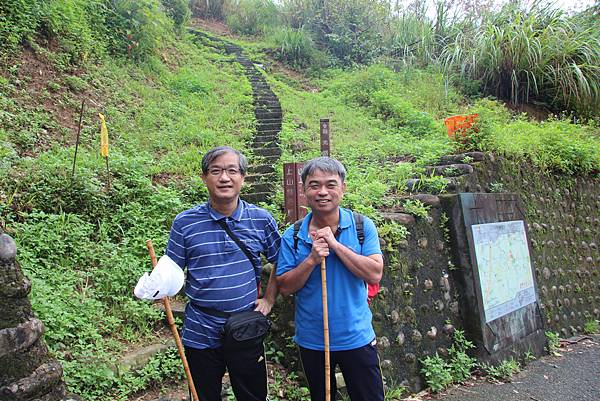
x=591 y=326
x=461 y=363
x=539 y=53
x=439 y=374
x=293 y=46
x=138 y=28
x=68 y=22
x=416 y=208
x=553 y=342
x=350 y=30
x=178 y=11
x=503 y=371
x=251 y=17
x=555 y=145
x=401 y=114
x=436 y=372
x=18 y=21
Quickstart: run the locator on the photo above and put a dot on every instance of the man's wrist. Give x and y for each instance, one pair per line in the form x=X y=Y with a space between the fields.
x=312 y=261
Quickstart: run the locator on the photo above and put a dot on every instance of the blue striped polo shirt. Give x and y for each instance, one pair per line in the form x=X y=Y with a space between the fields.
x=219 y=275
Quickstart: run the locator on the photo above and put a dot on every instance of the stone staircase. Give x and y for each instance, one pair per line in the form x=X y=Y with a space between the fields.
x=264 y=146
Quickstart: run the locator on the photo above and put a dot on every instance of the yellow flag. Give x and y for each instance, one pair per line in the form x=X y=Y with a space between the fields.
x=103 y=136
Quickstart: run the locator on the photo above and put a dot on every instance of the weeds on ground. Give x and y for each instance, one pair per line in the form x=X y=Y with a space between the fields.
x=553 y=342
x=503 y=371
x=591 y=327
x=440 y=373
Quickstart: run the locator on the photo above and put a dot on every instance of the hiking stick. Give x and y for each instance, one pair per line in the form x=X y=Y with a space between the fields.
x=325 y=330
x=173 y=327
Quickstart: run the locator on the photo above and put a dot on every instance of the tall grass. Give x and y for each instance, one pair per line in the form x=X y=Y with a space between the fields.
x=293 y=46
x=251 y=17
x=536 y=54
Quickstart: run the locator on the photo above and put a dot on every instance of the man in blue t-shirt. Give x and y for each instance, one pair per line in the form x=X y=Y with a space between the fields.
x=221 y=278
x=329 y=232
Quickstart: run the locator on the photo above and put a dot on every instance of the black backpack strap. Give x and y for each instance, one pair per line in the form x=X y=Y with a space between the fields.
x=360 y=227
x=243 y=247
x=297 y=225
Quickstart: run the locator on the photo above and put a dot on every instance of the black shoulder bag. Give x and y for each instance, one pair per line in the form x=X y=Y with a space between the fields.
x=248 y=328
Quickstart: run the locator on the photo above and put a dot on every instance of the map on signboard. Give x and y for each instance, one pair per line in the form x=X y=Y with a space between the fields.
x=504 y=267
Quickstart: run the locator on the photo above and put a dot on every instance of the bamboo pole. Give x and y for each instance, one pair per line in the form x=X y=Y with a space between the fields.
x=77 y=138
x=325 y=330
x=173 y=327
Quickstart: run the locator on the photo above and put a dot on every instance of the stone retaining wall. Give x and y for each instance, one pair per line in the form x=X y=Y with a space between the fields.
x=417 y=309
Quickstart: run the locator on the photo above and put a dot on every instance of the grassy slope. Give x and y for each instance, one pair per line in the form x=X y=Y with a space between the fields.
x=81 y=243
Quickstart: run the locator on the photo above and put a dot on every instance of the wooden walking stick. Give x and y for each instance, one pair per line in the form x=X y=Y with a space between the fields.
x=173 y=327
x=325 y=330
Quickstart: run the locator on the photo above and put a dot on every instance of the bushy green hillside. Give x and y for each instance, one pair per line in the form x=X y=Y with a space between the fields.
x=81 y=237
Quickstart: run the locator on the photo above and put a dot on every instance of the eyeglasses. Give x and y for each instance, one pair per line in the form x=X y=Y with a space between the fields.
x=217 y=171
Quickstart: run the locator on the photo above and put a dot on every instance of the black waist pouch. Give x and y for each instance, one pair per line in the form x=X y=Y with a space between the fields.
x=245 y=329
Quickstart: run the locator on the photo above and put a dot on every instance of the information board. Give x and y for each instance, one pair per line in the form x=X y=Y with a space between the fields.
x=504 y=266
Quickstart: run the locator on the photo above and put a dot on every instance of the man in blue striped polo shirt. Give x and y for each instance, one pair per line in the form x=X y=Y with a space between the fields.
x=221 y=279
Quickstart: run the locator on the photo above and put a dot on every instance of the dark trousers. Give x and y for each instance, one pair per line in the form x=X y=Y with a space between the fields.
x=359 y=366
x=247 y=372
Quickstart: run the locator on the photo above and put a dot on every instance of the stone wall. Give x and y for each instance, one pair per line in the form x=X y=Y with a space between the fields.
x=563 y=216
x=417 y=308
x=27 y=372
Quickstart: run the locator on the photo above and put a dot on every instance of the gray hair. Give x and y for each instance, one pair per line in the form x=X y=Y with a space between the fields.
x=324 y=164
x=212 y=154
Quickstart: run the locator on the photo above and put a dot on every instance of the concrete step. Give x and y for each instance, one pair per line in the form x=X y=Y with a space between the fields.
x=260 y=85
x=267 y=109
x=257 y=197
x=267 y=152
x=252 y=177
x=268 y=126
x=415 y=185
x=267 y=133
x=265 y=142
x=264 y=94
x=276 y=120
x=261 y=169
x=264 y=133
x=260 y=187
x=449 y=170
x=266 y=103
x=265 y=98
x=268 y=115
x=177 y=307
x=460 y=158
x=268 y=159
x=137 y=359
x=427 y=199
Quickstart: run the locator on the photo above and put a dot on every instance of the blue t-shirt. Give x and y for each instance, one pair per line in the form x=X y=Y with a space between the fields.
x=349 y=314
x=219 y=275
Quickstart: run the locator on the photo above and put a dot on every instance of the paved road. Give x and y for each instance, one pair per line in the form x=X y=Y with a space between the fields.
x=574 y=376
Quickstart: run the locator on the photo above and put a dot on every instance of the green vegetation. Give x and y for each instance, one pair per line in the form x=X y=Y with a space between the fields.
x=440 y=373
x=416 y=208
x=503 y=371
x=592 y=326
x=82 y=243
x=521 y=52
x=553 y=342
x=375 y=73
